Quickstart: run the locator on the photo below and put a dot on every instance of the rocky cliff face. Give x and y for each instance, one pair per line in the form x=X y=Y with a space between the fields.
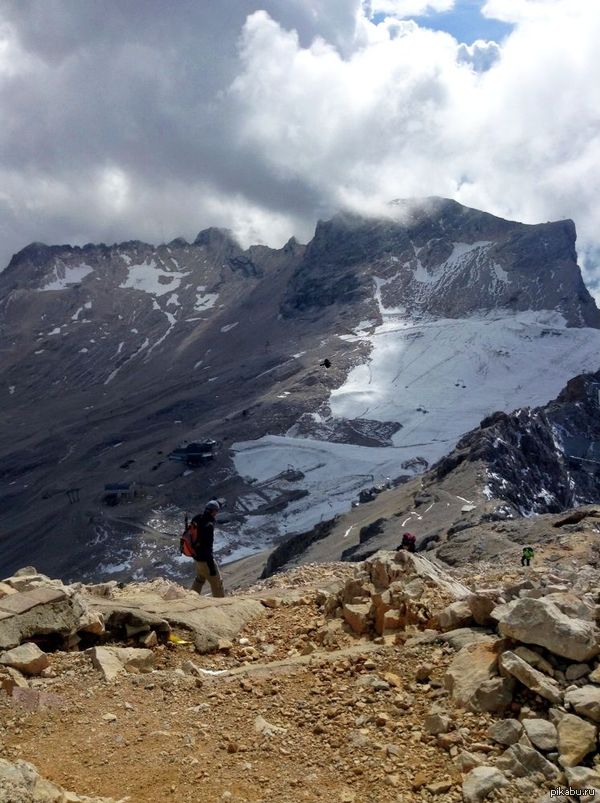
x=542 y=460
x=439 y=258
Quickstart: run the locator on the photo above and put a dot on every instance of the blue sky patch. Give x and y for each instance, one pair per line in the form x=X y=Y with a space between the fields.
x=465 y=22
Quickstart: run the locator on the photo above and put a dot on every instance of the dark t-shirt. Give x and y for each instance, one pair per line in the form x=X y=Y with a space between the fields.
x=204 y=542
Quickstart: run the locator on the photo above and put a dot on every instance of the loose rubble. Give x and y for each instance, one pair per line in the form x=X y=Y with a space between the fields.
x=385 y=682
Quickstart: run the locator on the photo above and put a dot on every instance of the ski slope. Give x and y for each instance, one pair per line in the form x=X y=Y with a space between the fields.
x=438 y=379
x=334 y=473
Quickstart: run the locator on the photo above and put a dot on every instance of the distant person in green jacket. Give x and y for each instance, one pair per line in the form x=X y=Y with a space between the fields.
x=526 y=556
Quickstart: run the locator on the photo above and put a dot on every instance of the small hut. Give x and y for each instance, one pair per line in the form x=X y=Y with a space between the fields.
x=194 y=454
x=116 y=492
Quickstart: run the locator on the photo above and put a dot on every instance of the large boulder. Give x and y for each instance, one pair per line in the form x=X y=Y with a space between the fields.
x=576 y=671
x=470 y=669
x=457 y=614
x=572 y=605
x=27 y=658
x=208 y=619
x=392 y=609
x=357 y=616
x=463 y=636
x=535 y=659
x=541 y=733
x=385 y=568
x=45 y=609
x=523 y=761
x=576 y=738
x=512 y=591
x=535 y=681
x=505 y=731
x=493 y=695
x=112 y=661
x=538 y=621
x=585 y=701
x=481 y=604
x=357 y=590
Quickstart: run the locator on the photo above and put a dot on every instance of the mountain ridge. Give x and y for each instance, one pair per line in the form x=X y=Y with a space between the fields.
x=422 y=243
x=135 y=348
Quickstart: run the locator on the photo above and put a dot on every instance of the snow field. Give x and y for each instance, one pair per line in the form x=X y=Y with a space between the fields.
x=438 y=379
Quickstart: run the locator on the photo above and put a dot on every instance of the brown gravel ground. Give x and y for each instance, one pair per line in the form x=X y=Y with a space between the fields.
x=183 y=737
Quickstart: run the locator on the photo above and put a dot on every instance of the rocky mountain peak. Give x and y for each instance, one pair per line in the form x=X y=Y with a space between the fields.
x=216 y=238
x=31 y=258
x=436 y=257
x=178 y=242
x=292 y=245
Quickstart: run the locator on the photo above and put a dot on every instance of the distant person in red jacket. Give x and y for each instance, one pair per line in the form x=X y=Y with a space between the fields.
x=206 y=568
x=409 y=542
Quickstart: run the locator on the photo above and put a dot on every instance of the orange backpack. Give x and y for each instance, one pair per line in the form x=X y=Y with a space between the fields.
x=187 y=542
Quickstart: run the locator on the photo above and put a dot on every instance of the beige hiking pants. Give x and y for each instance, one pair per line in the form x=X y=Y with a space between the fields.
x=202 y=575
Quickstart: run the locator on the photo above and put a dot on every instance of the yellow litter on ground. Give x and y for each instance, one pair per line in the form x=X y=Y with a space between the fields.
x=176 y=640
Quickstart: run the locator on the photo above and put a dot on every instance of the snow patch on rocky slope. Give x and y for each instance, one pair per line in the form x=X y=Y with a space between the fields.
x=437 y=379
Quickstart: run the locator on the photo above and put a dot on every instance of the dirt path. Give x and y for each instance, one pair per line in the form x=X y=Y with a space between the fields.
x=172 y=735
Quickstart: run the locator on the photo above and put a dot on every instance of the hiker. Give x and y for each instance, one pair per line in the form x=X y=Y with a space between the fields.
x=526 y=556
x=408 y=542
x=206 y=568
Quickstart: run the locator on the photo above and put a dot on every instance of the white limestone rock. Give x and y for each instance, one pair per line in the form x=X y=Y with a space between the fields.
x=542 y=734
x=481 y=782
x=541 y=622
x=585 y=701
x=26 y=658
x=576 y=738
x=541 y=684
x=505 y=731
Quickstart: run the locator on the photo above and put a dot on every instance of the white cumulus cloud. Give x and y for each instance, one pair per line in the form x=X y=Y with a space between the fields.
x=410 y=114
x=409 y=8
x=481 y=55
x=154 y=121
x=520 y=10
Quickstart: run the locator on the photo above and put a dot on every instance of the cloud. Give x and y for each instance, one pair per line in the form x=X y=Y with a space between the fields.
x=405 y=115
x=346 y=125
x=515 y=11
x=480 y=55
x=409 y=8
x=117 y=125
x=152 y=122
